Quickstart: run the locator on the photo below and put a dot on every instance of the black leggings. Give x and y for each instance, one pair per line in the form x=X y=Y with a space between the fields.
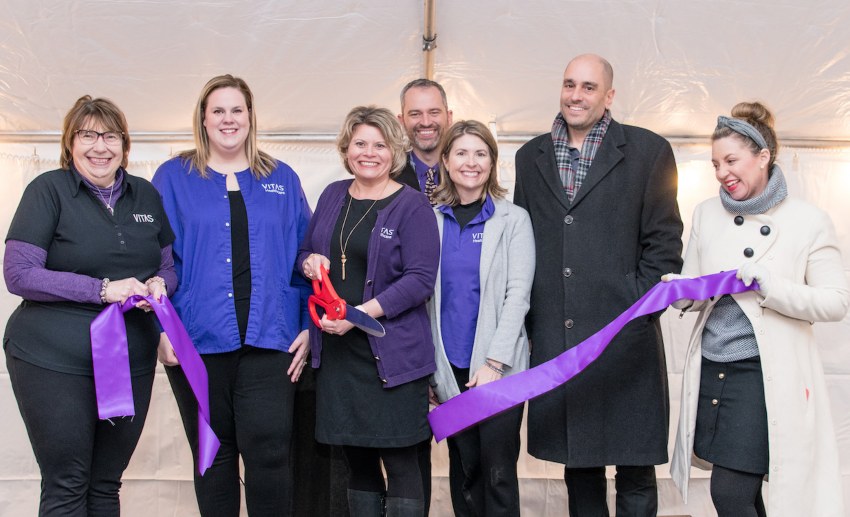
x=81 y=458
x=251 y=406
x=401 y=464
x=736 y=494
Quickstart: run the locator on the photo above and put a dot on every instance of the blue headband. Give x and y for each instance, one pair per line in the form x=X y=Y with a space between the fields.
x=742 y=128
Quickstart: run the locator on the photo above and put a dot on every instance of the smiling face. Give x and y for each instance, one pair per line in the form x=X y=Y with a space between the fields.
x=585 y=93
x=741 y=173
x=469 y=165
x=424 y=117
x=227 y=121
x=368 y=156
x=97 y=162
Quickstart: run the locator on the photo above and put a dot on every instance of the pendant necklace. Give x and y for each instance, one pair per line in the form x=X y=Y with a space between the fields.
x=344 y=245
x=105 y=202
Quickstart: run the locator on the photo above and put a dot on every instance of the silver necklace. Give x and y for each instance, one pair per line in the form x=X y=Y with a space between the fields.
x=105 y=202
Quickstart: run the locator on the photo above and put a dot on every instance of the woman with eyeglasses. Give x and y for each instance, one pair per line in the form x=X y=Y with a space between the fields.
x=75 y=244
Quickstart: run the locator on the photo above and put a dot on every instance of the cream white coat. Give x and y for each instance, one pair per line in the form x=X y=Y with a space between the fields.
x=807 y=284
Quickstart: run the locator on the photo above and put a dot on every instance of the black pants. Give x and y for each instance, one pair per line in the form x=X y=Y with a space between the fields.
x=482 y=463
x=251 y=406
x=736 y=494
x=637 y=492
x=81 y=458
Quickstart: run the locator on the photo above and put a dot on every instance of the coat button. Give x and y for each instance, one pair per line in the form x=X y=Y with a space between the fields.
x=377 y=358
x=748 y=252
x=568 y=324
x=568 y=219
x=714 y=402
x=765 y=230
x=368 y=282
x=721 y=376
x=739 y=220
x=568 y=272
x=384 y=381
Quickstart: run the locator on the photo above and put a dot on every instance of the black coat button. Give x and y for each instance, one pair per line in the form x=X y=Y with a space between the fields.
x=765 y=230
x=568 y=219
x=568 y=272
x=368 y=282
x=739 y=220
x=748 y=252
x=568 y=324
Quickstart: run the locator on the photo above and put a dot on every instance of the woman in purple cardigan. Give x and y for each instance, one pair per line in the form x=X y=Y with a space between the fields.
x=379 y=241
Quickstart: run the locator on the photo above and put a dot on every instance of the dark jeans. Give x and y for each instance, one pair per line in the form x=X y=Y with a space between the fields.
x=251 y=406
x=81 y=458
x=637 y=492
x=482 y=463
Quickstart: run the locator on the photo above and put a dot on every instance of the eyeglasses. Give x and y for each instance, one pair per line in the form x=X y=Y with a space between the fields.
x=89 y=137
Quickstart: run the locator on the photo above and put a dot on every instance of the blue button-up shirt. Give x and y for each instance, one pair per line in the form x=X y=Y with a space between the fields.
x=460 y=282
x=421 y=169
x=199 y=211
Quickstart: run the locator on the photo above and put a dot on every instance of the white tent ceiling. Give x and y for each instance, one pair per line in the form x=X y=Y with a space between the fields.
x=677 y=64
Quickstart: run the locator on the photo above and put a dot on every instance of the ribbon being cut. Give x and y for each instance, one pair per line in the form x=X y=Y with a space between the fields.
x=482 y=402
x=112 y=367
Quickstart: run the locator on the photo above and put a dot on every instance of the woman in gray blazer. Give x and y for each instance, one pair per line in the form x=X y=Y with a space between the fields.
x=478 y=312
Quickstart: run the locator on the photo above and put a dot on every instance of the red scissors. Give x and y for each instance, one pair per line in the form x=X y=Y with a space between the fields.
x=336 y=309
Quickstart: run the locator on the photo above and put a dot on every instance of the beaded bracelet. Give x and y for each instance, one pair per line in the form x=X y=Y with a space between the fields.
x=497 y=370
x=156 y=279
x=103 y=285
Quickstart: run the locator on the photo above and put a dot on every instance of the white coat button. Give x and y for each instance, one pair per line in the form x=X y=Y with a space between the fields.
x=227 y=260
x=230 y=295
x=714 y=402
x=721 y=376
x=227 y=224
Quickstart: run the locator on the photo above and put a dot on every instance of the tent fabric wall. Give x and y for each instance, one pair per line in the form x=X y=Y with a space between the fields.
x=158 y=481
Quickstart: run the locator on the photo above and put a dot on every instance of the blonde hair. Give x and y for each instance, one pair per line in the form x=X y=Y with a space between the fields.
x=260 y=163
x=757 y=115
x=384 y=121
x=446 y=191
x=87 y=112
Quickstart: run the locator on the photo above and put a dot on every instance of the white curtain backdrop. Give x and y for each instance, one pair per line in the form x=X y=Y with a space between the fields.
x=158 y=480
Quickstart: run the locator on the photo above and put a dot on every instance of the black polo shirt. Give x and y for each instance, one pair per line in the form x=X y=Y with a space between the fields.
x=59 y=214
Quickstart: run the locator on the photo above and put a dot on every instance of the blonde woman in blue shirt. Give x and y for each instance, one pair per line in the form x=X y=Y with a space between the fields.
x=238 y=216
x=478 y=313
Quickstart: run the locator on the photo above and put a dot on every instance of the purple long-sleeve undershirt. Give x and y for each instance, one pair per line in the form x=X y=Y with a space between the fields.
x=26 y=276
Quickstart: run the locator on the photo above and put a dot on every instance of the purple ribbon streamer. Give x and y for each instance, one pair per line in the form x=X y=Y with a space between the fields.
x=112 y=367
x=482 y=402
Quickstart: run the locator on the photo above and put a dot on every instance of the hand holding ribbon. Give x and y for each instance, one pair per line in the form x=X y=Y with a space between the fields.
x=111 y=362
x=482 y=402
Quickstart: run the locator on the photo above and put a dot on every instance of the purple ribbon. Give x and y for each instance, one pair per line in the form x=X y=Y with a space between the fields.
x=482 y=402
x=112 y=367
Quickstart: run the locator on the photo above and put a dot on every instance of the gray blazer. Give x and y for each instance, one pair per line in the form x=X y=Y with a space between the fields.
x=506 y=273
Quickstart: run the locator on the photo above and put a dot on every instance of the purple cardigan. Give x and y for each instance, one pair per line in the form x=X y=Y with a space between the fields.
x=401 y=270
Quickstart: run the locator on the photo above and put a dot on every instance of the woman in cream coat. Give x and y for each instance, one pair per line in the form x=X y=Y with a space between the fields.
x=478 y=312
x=791 y=250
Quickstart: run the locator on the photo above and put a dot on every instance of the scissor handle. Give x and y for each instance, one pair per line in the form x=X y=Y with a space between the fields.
x=325 y=296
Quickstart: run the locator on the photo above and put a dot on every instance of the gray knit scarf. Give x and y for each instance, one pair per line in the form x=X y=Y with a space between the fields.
x=773 y=194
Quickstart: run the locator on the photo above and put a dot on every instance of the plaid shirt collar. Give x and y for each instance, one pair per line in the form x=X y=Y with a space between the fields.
x=573 y=176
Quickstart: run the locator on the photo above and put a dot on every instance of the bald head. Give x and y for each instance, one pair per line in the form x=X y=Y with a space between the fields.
x=597 y=61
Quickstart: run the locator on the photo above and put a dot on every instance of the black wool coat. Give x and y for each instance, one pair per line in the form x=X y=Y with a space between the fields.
x=595 y=257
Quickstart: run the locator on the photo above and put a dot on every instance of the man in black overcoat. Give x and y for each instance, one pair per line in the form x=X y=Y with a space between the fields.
x=602 y=200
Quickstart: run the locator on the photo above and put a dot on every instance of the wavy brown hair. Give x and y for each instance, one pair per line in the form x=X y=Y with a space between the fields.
x=86 y=113
x=446 y=192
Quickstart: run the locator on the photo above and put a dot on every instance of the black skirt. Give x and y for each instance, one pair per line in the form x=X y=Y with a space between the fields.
x=731 y=427
x=352 y=405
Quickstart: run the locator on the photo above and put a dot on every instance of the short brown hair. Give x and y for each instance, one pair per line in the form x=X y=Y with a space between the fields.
x=260 y=163
x=85 y=113
x=384 y=121
x=446 y=192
